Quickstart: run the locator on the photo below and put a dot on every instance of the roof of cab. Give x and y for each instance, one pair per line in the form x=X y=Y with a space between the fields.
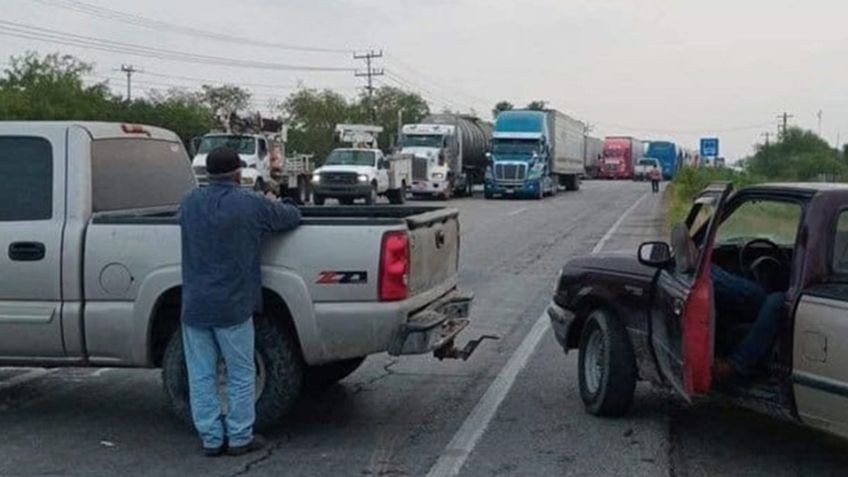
x=97 y=130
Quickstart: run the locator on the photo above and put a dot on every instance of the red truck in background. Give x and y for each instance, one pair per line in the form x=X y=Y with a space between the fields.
x=619 y=156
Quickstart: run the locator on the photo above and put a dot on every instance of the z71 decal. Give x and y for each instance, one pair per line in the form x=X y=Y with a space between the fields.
x=351 y=278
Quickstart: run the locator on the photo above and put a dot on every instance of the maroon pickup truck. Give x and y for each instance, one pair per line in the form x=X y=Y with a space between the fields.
x=654 y=315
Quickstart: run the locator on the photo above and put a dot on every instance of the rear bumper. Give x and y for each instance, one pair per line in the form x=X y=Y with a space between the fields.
x=336 y=191
x=433 y=327
x=561 y=320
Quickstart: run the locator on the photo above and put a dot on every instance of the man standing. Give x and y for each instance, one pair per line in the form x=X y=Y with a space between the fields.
x=222 y=226
x=656 y=176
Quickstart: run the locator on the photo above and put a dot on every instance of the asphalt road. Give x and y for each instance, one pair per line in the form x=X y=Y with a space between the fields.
x=512 y=409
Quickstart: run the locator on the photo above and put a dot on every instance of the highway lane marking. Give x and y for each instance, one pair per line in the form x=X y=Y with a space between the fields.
x=24 y=378
x=453 y=457
x=516 y=212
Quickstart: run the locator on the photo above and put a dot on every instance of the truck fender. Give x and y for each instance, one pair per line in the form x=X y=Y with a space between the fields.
x=150 y=292
x=292 y=290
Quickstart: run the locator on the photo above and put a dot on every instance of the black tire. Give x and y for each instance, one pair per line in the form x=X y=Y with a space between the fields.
x=397 y=196
x=488 y=196
x=259 y=186
x=318 y=199
x=371 y=198
x=607 y=390
x=283 y=377
x=318 y=378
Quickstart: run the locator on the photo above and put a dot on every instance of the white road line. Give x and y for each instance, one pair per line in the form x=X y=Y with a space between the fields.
x=600 y=245
x=25 y=377
x=453 y=457
x=516 y=212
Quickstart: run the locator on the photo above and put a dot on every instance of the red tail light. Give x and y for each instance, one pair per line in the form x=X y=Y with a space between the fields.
x=394 y=267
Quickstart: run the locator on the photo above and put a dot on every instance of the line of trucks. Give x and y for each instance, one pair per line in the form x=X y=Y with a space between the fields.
x=524 y=154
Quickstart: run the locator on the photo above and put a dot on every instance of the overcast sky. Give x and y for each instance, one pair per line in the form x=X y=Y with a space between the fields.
x=673 y=69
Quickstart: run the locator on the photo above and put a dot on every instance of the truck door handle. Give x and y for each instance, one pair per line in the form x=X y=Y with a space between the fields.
x=26 y=251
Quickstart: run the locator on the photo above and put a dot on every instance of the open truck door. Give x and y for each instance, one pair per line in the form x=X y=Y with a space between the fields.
x=682 y=311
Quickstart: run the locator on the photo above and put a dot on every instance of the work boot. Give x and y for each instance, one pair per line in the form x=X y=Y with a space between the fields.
x=214 y=451
x=257 y=443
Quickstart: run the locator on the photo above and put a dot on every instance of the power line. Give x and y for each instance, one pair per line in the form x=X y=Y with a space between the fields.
x=158 y=25
x=406 y=66
x=415 y=86
x=32 y=32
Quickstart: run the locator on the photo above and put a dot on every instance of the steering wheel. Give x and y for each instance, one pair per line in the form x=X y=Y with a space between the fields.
x=767 y=269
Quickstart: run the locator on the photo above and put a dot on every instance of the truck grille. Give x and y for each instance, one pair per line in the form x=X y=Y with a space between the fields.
x=200 y=170
x=510 y=172
x=338 y=178
x=419 y=169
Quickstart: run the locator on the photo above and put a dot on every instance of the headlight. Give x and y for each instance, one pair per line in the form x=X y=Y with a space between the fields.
x=316 y=178
x=362 y=178
x=438 y=176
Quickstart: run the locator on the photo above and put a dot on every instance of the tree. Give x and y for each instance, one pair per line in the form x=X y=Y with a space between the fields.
x=388 y=103
x=225 y=101
x=501 y=106
x=799 y=156
x=51 y=87
x=537 y=105
x=312 y=116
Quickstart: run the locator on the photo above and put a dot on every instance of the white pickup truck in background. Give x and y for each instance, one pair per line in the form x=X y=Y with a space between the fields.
x=90 y=268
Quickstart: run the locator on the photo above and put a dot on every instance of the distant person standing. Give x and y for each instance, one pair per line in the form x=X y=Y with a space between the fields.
x=656 y=176
x=222 y=226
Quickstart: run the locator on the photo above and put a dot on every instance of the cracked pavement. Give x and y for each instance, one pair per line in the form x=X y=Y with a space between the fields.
x=394 y=416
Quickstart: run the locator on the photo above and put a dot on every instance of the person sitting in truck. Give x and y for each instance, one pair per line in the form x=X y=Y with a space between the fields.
x=221 y=227
x=735 y=296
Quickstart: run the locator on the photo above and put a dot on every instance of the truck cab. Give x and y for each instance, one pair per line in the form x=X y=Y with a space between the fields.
x=665 y=315
x=349 y=174
x=430 y=145
x=620 y=156
x=520 y=156
x=253 y=149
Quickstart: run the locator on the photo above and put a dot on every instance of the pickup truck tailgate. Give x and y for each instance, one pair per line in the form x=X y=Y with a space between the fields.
x=434 y=248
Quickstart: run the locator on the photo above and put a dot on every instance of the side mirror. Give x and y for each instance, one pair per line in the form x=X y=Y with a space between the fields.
x=655 y=254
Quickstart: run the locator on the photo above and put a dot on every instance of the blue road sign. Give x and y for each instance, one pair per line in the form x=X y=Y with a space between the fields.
x=709 y=147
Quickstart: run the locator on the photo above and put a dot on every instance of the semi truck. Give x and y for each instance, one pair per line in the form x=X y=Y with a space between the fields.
x=449 y=153
x=668 y=154
x=620 y=156
x=533 y=152
x=592 y=156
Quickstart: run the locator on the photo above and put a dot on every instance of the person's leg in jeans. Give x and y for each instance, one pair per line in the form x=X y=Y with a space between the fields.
x=760 y=338
x=201 y=354
x=236 y=344
x=736 y=294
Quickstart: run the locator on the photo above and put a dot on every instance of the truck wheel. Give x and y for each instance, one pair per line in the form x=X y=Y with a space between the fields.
x=606 y=366
x=259 y=186
x=279 y=375
x=318 y=378
x=371 y=198
x=318 y=199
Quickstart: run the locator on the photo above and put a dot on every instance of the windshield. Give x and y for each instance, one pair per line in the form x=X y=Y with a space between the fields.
x=349 y=157
x=515 y=146
x=241 y=144
x=422 y=140
x=647 y=162
x=762 y=219
x=614 y=152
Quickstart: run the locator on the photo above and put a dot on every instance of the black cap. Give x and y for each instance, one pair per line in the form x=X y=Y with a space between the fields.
x=222 y=160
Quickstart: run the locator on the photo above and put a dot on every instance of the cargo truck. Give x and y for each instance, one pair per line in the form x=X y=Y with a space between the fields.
x=533 y=152
x=620 y=156
x=667 y=154
x=449 y=154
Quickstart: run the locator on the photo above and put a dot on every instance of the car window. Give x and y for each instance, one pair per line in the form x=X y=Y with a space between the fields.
x=840 y=244
x=137 y=173
x=705 y=213
x=26 y=164
x=761 y=219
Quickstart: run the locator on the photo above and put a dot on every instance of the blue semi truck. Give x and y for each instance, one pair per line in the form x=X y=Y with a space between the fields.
x=668 y=154
x=534 y=152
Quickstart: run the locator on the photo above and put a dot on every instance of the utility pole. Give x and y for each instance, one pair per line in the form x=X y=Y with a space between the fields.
x=369 y=73
x=129 y=70
x=785 y=122
x=819 y=116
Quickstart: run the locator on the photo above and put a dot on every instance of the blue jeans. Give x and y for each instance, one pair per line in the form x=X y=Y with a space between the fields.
x=203 y=348
x=734 y=296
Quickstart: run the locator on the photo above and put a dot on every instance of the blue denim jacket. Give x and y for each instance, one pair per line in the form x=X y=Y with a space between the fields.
x=222 y=227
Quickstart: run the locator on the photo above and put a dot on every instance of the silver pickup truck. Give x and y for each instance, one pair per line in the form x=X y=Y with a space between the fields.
x=90 y=268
